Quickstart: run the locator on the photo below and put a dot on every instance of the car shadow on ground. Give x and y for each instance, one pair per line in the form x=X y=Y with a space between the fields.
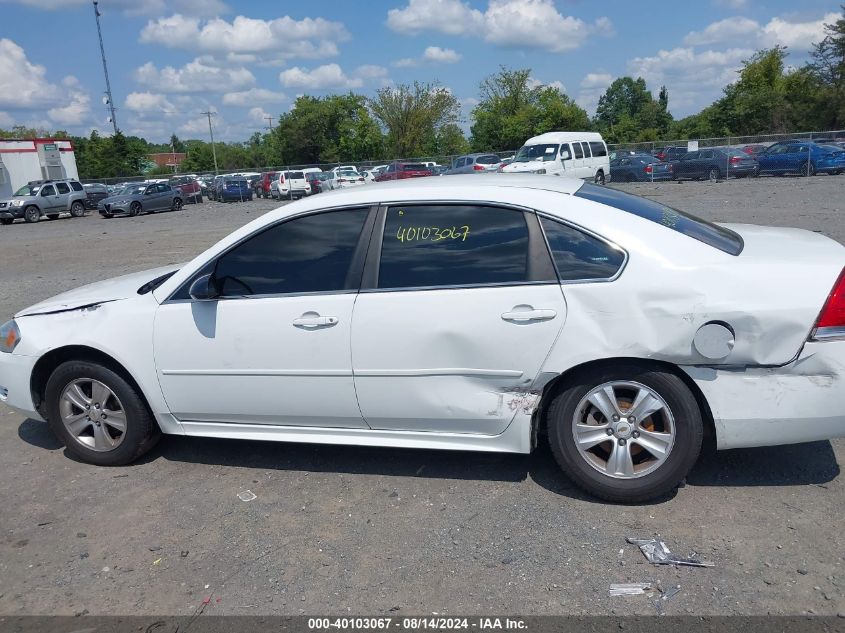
x=793 y=465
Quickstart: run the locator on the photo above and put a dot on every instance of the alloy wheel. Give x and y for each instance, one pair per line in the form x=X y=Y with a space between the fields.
x=624 y=430
x=92 y=414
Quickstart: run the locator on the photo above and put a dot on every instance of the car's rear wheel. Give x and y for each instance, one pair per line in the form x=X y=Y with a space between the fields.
x=599 y=179
x=134 y=209
x=807 y=169
x=98 y=415
x=713 y=174
x=627 y=433
x=77 y=209
x=177 y=204
x=32 y=214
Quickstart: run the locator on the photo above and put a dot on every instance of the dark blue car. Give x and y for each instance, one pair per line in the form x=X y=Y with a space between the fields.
x=232 y=188
x=801 y=157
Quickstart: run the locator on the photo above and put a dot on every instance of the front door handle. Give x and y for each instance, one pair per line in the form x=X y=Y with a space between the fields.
x=310 y=319
x=523 y=316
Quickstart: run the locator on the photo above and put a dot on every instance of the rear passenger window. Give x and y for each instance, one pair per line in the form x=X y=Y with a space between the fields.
x=579 y=153
x=453 y=245
x=586 y=147
x=62 y=187
x=598 y=148
x=308 y=254
x=579 y=256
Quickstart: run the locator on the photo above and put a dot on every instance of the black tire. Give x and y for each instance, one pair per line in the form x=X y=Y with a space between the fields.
x=198 y=199
x=135 y=209
x=32 y=214
x=807 y=169
x=77 y=209
x=755 y=173
x=599 y=179
x=177 y=204
x=141 y=433
x=658 y=483
x=713 y=174
x=53 y=216
x=6 y=221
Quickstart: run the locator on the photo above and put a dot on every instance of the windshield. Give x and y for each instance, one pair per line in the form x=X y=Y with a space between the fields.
x=28 y=190
x=134 y=190
x=536 y=152
x=414 y=167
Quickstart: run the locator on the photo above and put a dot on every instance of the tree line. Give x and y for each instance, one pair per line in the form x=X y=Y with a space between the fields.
x=423 y=119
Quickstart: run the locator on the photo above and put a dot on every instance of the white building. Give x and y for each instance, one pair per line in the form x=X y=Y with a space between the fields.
x=23 y=160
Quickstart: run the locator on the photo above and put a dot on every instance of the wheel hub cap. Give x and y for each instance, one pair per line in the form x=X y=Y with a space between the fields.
x=623 y=429
x=92 y=414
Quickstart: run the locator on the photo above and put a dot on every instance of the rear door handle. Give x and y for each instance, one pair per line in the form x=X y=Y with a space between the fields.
x=315 y=321
x=522 y=316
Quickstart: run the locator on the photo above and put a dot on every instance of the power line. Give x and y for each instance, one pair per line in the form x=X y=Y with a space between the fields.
x=209 y=114
x=105 y=68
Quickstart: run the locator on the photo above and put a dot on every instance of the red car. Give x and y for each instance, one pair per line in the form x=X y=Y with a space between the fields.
x=190 y=188
x=261 y=188
x=399 y=171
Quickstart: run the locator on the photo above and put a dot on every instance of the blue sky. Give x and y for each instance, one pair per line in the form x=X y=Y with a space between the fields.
x=169 y=60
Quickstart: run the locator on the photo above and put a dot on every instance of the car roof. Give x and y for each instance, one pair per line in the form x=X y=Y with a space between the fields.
x=563 y=137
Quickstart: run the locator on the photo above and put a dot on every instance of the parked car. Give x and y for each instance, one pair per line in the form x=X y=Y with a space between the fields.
x=345 y=177
x=262 y=187
x=141 y=198
x=40 y=198
x=715 y=164
x=576 y=154
x=290 y=184
x=94 y=192
x=316 y=179
x=188 y=185
x=400 y=171
x=232 y=189
x=368 y=176
x=214 y=187
x=473 y=164
x=439 y=170
x=345 y=168
x=578 y=315
x=673 y=152
x=801 y=157
x=753 y=149
x=640 y=168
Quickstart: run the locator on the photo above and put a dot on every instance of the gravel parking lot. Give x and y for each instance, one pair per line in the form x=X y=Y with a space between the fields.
x=365 y=531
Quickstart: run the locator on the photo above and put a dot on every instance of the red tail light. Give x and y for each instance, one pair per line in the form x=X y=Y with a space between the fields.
x=735 y=160
x=477 y=168
x=833 y=312
x=648 y=169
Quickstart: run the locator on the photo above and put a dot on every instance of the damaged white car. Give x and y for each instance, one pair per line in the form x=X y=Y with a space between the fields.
x=468 y=313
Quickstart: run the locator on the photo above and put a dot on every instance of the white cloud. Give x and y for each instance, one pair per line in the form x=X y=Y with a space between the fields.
x=134 y=7
x=441 y=55
x=269 y=41
x=259 y=115
x=533 y=82
x=195 y=76
x=141 y=102
x=592 y=87
x=22 y=83
x=509 y=23
x=692 y=78
x=798 y=35
x=74 y=113
x=405 y=62
x=253 y=96
x=332 y=77
x=733 y=4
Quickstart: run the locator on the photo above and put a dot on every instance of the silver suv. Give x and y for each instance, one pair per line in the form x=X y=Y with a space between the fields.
x=44 y=197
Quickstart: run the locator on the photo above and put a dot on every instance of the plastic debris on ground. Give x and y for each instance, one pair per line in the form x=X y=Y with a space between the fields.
x=657 y=553
x=632 y=589
x=247 y=495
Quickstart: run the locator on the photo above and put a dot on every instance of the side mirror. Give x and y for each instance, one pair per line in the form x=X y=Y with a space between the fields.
x=204 y=288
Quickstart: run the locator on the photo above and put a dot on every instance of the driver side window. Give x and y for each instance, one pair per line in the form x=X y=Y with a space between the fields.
x=48 y=190
x=307 y=254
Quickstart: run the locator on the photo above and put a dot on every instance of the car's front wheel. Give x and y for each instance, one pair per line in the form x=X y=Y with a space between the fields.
x=32 y=214
x=177 y=204
x=98 y=415
x=626 y=433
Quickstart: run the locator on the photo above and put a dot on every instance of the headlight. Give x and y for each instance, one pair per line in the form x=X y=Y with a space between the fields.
x=10 y=336
x=539 y=171
x=16 y=203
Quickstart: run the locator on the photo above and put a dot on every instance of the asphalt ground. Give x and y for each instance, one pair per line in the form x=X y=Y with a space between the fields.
x=370 y=531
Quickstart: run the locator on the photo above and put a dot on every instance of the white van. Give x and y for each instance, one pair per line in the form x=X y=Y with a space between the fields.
x=576 y=154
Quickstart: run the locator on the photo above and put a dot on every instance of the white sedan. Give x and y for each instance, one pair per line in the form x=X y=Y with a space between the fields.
x=469 y=313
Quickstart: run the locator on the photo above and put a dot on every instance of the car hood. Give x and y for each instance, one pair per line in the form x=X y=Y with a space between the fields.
x=533 y=165
x=114 y=289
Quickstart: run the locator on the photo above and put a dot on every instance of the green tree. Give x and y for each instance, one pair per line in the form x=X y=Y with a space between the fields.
x=628 y=112
x=513 y=109
x=413 y=115
x=827 y=66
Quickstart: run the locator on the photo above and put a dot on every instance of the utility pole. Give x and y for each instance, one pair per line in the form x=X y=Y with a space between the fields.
x=269 y=120
x=105 y=68
x=209 y=114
